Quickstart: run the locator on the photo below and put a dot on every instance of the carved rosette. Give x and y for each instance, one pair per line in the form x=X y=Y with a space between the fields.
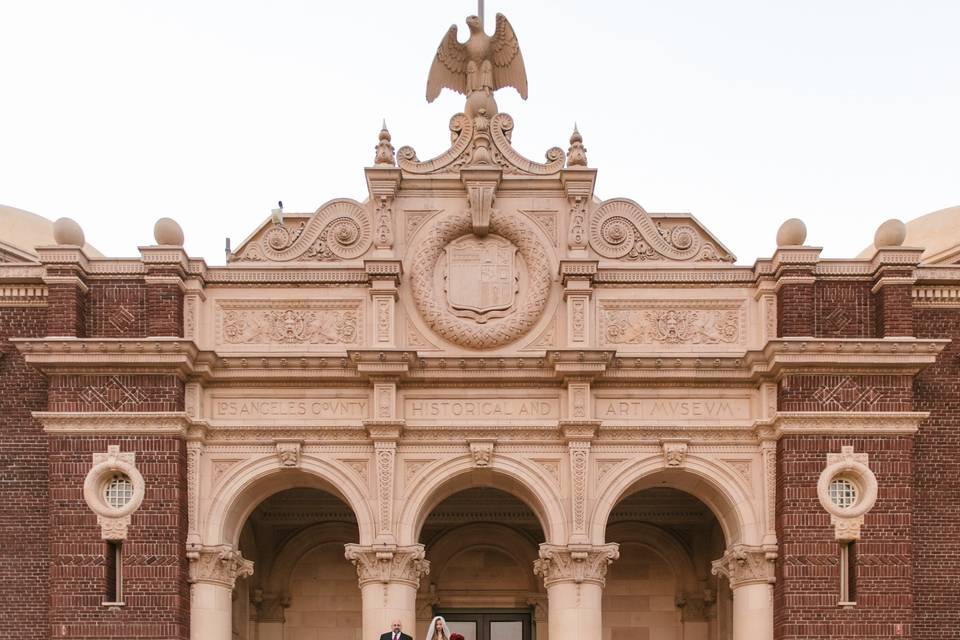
x=219 y=565
x=621 y=229
x=388 y=563
x=743 y=565
x=468 y=332
x=575 y=563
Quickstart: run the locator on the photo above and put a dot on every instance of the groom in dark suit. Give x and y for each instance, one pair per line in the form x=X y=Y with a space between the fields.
x=395 y=634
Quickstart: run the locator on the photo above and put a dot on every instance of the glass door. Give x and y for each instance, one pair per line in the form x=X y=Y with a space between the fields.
x=488 y=624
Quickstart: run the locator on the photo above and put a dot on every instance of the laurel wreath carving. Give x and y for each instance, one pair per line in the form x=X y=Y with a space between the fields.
x=467 y=332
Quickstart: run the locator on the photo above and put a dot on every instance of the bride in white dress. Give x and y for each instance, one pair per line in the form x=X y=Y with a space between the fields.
x=438 y=629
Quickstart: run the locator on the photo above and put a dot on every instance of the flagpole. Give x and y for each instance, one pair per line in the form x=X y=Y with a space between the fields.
x=480 y=13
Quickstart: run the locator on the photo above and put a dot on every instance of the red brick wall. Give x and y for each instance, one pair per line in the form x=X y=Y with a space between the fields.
x=936 y=528
x=895 y=311
x=156 y=592
x=807 y=588
x=66 y=310
x=795 y=310
x=821 y=392
x=843 y=309
x=141 y=392
x=117 y=309
x=23 y=482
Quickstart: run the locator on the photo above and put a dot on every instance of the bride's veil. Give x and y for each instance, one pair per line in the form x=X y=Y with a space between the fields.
x=432 y=629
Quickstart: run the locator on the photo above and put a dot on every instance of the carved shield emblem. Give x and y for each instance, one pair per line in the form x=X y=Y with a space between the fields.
x=482 y=277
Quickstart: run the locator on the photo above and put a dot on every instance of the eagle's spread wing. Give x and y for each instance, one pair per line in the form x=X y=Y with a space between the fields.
x=508 y=69
x=449 y=68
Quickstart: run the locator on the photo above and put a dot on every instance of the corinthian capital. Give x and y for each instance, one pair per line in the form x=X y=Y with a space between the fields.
x=575 y=563
x=743 y=565
x=388 y=563
x=219 y=565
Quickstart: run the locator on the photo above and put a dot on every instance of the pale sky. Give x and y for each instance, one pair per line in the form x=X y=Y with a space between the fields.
x=843 y=113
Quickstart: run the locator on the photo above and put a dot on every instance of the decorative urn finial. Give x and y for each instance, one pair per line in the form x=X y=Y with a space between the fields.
x=479 y=66
x=384 y=154
x=577 y=154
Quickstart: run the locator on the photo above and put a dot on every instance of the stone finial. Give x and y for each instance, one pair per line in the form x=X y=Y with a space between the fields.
x=167 y=232
x=577 y=154
x=792 y=233
x=67 y=231
x=891 y=233
x=385 y=154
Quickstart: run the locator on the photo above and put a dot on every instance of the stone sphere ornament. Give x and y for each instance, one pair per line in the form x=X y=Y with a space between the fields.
x=792 y=233
x=891 y=233
x=67 y=231
x=167 y=232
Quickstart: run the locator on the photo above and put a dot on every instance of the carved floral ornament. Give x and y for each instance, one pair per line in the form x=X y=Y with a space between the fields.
x=575 y=563
x=219 y=565
x=388 y=563
x=847 y=490
x=114 y=489
x=339 y=230
x=743 y=565
x=621 y=229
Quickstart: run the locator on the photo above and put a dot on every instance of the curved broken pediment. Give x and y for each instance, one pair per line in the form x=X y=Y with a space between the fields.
x=481 y=141
x=620 y=229
x=339 y=230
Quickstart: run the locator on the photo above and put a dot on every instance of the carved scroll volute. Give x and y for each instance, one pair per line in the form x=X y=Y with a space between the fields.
x=575 y=563
x=481 y=185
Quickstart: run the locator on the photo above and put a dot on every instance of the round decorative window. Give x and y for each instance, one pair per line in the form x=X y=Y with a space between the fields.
x=119 y=491
x=843 y=493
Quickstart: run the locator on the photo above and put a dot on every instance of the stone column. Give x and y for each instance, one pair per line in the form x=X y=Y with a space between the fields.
x=389 y=577
x=213 y=573
x=574 y=576
x=750 y=572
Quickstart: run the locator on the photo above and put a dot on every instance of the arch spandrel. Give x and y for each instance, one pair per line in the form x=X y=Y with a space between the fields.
x=510 y=474
x=709 y=481
x=250 y=483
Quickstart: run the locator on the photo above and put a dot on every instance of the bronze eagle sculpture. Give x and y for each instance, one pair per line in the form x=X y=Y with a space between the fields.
x=482 y=64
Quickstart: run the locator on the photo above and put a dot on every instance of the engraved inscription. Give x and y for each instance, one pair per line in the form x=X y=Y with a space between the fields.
x=673 y=408
x=465 y=409
x=322 y=409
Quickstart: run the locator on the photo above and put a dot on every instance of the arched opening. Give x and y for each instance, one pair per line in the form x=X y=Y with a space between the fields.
x=662 y=586
x=302 y=585
x=481 y=543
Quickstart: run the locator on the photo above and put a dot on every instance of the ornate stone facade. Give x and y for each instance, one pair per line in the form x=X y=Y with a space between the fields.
x=480 y=322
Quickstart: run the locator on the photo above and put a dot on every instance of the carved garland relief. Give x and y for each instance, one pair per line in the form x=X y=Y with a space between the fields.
x=289 y=322
x=672 y=322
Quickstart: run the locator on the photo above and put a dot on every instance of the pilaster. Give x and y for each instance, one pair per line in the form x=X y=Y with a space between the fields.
x=166 y=269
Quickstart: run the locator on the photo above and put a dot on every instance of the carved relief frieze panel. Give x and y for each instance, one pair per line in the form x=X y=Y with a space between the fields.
x=295 y=323
x=672 y=323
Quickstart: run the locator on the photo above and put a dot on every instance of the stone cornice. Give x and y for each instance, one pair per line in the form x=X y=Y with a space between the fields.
x=73 y=355
x=172 y=423
x=840 y=423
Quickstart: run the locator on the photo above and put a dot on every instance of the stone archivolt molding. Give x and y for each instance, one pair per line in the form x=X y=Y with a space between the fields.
x=621 y=229
x=743 y=565
x=853 y=468
x=388 y=563
x=113 y=521
x=218 y=565
x=339 y=230
x=481 y=141
x=575 y=563
x=532 y=298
